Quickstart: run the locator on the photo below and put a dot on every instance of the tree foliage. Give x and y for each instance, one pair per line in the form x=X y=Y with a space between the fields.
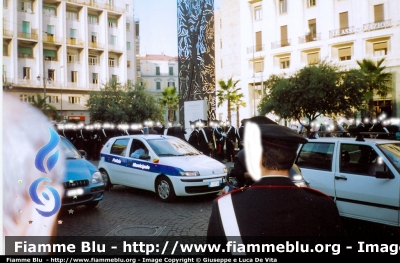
x=49 y=110
x=170 y=99
x=376 y=81
x=123 y=104
x=227 y=92
x=313 y=91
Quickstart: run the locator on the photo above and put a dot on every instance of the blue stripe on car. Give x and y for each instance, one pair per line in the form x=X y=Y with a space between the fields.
x=141 y=165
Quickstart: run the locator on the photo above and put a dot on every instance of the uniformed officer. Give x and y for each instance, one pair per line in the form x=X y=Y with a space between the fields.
x=230 y=142
x=273 y=205
x=240 y=134
x=194 y=135
x=205 y=138
x=219 y=135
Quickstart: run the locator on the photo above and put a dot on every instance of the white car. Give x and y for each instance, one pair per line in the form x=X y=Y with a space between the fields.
x=169 y=167
x=362 y=176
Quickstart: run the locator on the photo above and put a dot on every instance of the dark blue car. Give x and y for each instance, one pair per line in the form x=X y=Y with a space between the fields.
x=83 y=182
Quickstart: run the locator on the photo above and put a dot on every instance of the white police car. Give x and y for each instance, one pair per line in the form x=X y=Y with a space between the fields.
x=166 y=165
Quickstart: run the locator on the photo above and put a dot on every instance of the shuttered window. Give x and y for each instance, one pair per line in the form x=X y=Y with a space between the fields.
x=312 y=58
x=258 y=41
x=49 y=53
x=258 y=66
x=284 y=62
x=25 y=50
x=112 y=22
x=380 y=49
x=344 y=53
x=344 y=20
x=284 y=36
x=378 y=13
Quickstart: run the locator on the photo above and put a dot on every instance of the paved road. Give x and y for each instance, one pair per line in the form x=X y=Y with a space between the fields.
x=126 y=211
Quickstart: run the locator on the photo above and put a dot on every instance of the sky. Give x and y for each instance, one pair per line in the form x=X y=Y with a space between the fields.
x=158 y=26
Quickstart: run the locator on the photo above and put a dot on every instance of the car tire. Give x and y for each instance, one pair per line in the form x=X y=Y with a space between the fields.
x=165 y=190
x=107 y=182
x=92 y=204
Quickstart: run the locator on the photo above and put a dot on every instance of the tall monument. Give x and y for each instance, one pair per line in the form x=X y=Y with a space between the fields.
x=196 y=53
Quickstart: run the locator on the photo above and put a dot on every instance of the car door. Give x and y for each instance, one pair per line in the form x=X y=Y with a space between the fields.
x=117 y=160
x=315 y=161
x=359 y=194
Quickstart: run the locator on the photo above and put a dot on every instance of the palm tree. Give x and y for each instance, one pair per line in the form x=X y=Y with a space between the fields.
x=227 y=92
x=376 y=80
x=47 y=109
x=237 y=103
x=170 y=99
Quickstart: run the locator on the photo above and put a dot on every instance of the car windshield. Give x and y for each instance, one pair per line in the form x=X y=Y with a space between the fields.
x=392 y=152
x=172 y=147
x=69 y=149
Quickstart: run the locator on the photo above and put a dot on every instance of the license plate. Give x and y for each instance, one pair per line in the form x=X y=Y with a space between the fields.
x=214 y=184
x=75 y=192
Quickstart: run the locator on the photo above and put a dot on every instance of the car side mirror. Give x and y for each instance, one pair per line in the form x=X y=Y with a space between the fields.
x=384 y=175
x=83 y=152
x=144 y=157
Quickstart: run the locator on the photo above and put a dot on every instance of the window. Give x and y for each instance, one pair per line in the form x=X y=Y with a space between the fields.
x=119 y=147
x=380 y=49
x=316 y=155
x=26 y=28
x=128 y=26
x=158 y=85
x=128 y=45
x=74 y=100
x=258 y=41
x=51 y=74
x=50 y=33
x=257 y=13
x=284 y=62
x=221 y=62
x=171 y=84
x=344 y=20
x=26 y=98
x=50 y=54
x=5 y=4
x=171 y=71
x=112 y=23
x=72 y=15
x=258 y=66
x=313 y=58
x=74 y=76
x=220 y=43
x=26 y=72
x=72 y=33
x=284 y=36
x=312 y=26
x=25 y=6
x=137 y=29
x=282 y=6
x=72 y=58
x=93 y=19
x=52 y=99
x=111 y=62
x=311 y=2
x=114 y=77
x=128 y=63
x=49 y=11
x=157 y=70
x=344 y=53
x=94 y=37
x=113 y=40
x=378 y=13
x=220 y=23
x=93 y=60
x=5 y=49
x=95 y=78
x=25 y=52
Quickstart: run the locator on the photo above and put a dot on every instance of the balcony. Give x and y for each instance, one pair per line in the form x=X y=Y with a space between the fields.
x=282 y=43
x=29 y=82
x=309 y=38
x=114 y=48
x=33 y=36
x=95 y=45
x=257 y=48
x=94 y=86
x=30 y=56
x=342 y=32
x=377 y=25
x=7 y=33
x=74 y=41
x=114 y=8
x=52 y=39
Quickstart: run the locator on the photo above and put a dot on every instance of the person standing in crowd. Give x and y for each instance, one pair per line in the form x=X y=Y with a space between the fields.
x=322 y=130
x=278 y=207
x=180 y=132
x=194 y=135
x=230 y=142
x=205 y=138
x=25 y=132
x=219 y=135
x=240 y=134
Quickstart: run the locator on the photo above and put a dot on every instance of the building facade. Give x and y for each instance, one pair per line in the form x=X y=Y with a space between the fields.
x=66 y=49
x=158 y=72
x=267 y=37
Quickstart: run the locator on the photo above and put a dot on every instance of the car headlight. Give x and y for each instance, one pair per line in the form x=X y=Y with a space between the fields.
x=225 y=169
x=97 y=178
x=192 y=173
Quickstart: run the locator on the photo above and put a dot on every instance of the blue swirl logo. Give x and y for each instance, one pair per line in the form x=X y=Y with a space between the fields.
x=45 y=150
x=35 y=197
x=40 y=162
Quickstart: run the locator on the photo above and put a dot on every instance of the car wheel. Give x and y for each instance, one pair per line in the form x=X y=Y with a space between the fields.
x=92 y=204
x=107 y=182
x=165 y=190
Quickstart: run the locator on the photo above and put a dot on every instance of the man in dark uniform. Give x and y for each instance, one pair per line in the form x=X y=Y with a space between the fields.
x=205 y=138
x=179 y=132
x=219 y=136
x=194 y=135
x=240 y=134
x=273 y=205
x=230 y=142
